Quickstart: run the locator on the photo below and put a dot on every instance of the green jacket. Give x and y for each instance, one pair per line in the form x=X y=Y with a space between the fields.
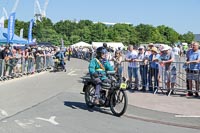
x=94 y=67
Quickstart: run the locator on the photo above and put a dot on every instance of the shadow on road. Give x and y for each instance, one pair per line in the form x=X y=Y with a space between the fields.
x=83 y=106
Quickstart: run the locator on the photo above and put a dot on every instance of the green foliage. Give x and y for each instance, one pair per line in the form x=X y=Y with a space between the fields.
x=85 y=30
x=188 y=37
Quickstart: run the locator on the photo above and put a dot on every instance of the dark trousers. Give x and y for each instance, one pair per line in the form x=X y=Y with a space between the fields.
x=143 y=73
x=153 y=73
x=69 y=56
x=62 y=63
x=98 y=83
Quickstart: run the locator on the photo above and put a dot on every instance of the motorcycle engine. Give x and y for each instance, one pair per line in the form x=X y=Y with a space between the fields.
x=102 y=96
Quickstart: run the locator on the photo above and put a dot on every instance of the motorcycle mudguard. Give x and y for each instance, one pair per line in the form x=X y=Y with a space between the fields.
x=84 y=88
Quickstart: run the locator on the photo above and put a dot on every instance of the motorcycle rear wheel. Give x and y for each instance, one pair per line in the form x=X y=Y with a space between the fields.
x=89 y=95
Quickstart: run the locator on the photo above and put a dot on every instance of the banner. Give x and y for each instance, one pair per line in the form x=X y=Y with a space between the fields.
x=21 y=33
x=2 y=22
x=30 y=31
x=11 y=27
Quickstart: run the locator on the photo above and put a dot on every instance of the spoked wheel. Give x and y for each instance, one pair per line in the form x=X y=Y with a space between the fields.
x=118 y=102
x=89 y=96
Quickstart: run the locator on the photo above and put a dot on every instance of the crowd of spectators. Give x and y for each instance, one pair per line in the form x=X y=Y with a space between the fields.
x=24 y=60
x=152 y=64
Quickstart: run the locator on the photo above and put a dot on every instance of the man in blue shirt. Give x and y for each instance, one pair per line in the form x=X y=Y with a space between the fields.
x=60 y=55
x=153 y=68
x=193 y=61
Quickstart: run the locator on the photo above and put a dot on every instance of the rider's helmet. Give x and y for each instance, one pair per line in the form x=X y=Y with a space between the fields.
x=100 y=51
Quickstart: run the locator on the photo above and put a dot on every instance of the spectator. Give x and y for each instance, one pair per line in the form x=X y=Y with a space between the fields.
x=167 y=57
x=153 y=68
x=142 y=59
x=193 y=70
x=18 y=57
x=69 y=53
x=176 y=52
x=132 y=66
x=117 y=62
x=150 y=46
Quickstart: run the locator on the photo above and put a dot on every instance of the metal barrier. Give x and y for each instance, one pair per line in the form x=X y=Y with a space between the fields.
x=39 y=63
x=15 y=67
x=172 y=79
x=1 y=69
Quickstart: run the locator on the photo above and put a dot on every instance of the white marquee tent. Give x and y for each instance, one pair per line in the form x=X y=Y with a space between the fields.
x=81 y=44
x=115 y=45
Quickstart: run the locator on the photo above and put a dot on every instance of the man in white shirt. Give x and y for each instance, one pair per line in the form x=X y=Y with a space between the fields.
x=133 y=66
x=176 y=52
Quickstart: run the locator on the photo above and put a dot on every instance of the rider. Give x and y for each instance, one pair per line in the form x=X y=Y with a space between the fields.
x=97 y=68
x=60 y=56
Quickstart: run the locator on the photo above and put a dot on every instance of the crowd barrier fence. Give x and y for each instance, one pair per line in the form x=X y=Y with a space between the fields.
x=17 y=67
x=173 y=79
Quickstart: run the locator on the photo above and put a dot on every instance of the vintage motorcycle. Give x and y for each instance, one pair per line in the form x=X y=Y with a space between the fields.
x=112 y=94
x=57 y=66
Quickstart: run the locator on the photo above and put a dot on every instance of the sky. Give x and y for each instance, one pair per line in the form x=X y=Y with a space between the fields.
x=181 y=15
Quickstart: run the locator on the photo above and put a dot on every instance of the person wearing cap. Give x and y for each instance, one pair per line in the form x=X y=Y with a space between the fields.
x=142 y=59
x=168 y=69
x=153 y=68
x=133 y=66
x=150 y=46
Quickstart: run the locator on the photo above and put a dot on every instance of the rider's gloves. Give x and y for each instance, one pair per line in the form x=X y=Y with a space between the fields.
x=95 y=75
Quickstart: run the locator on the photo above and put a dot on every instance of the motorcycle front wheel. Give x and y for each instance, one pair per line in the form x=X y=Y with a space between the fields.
x=118 y=102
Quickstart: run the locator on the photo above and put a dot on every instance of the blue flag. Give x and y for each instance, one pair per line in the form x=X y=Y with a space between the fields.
x=30 y=31
x=11 y=27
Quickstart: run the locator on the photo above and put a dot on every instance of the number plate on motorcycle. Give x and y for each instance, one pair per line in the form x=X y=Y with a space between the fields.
x=123 y=86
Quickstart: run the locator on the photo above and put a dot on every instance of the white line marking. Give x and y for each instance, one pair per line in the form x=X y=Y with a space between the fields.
x=3 y=113
x=188 y=116
x=51 y=120
x=24 y=125
x=72 y=73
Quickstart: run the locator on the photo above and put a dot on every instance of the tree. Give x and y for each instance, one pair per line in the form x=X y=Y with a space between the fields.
x=99 y=32
x=74 y=39
x=49 y=35
x=188 y=37
x=172 y=35
x=87 y=31
x=168 y=35
x=148 y=33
